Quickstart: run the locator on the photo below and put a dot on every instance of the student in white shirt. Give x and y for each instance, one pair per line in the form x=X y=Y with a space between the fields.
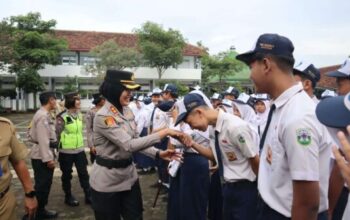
x=294 y=165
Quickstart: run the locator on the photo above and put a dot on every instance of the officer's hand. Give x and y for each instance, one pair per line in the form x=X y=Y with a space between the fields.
x=31 y=205
x=342 y=162
x=93 y=150
x=186 y=140
x=170 y=154
x=51 y=164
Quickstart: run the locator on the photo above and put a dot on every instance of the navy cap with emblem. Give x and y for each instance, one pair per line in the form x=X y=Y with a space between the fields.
x=125 y=78
x=232 y=91
x=170 y=88
x=334 y=111
x=191 y=101
x=273 y=44
x=308 y=70
x=342 y=72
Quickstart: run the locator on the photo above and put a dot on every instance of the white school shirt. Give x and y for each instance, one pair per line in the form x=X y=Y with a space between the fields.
x=160 y=119
x=301 y=150
x=237 y=144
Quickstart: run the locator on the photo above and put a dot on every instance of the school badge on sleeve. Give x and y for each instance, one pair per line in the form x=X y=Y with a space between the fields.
x=304 y=136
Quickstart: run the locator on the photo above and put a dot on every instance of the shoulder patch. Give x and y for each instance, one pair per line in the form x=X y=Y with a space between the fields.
x=113 y=110
x=241 y=139
x=110 y=121
x=303 y=136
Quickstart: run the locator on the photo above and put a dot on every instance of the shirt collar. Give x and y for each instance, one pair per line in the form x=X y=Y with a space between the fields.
x=220 y=121
x=286 y=95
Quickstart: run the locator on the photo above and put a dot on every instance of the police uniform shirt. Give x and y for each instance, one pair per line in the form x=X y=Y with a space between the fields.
x=11 y=149
x=115 y=138
x=41 y=132
x=237 y=144
x=297 y=147
x=89 y=117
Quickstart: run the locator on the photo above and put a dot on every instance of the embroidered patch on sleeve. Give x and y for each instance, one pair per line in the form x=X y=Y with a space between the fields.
x=241 y=139
x=110 y=121
x=304 y=136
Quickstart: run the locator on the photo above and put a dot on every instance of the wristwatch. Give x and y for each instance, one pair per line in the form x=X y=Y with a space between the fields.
x=30 y=194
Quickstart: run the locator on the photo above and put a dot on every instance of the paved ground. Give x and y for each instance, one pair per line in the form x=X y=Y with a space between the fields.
x=82 y=212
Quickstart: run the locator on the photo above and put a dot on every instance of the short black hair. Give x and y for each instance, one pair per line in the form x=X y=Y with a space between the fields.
x=304 y=77
x=44 y=97
x=284 y=63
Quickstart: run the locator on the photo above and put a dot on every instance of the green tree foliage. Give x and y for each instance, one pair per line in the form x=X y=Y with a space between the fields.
x=71 y=84
x=31 y=44
x=220 y=66
x=112 y=56
x=161 y=48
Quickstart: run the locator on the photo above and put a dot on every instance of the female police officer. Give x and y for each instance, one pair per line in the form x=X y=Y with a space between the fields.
x=115 y=187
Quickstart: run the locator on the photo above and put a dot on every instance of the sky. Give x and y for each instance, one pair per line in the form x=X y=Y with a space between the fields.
x=319 y=29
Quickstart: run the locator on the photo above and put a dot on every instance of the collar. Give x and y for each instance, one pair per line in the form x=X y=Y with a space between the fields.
x=220 y=121
x=286 y=95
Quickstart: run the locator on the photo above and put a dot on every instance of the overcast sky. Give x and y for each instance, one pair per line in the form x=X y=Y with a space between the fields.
x=319 y=29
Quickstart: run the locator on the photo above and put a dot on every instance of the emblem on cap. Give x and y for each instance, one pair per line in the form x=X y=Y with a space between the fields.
x=133 y=77
x=303 y=136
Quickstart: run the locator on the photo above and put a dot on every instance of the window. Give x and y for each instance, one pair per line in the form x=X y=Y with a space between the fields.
x=88 y=61
x=69 y=60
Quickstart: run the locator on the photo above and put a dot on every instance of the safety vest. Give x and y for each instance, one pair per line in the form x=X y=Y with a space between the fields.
x=72 y=134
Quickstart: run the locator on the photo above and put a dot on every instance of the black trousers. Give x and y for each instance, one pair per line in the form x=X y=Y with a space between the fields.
x=43 y=180
x=114 y=205
x=66 y=165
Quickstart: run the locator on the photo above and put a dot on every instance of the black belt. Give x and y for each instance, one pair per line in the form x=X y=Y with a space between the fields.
x=3 y=193
x=113 y=163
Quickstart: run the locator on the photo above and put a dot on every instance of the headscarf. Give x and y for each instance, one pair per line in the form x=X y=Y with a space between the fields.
x=247 y=112
x=112 y=93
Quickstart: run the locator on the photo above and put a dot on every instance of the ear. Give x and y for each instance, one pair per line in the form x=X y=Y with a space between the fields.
x=307 y=84
x=267 y=65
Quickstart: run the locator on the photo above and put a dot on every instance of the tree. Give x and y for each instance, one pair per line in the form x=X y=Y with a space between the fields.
x=221 y=65
x=31 y=44
x=110 y=55
x=161 y=48
x=71 y=84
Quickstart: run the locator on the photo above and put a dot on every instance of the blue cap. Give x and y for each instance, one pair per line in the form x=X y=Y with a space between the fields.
x=232 y=91
x=273 y=44
x=170 y=88
x=334 y=112
x=342 y=72
x=147 y=100
x=191 y=101
x=165 y=106
x=308 y=70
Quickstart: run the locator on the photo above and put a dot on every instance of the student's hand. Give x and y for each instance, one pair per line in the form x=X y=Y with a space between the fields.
x=170 y=154
x=343 y=163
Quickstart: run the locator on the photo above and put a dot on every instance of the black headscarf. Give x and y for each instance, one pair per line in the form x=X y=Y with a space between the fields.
x=112 y=93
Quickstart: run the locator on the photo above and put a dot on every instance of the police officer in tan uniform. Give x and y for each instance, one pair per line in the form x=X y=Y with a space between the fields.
x=115 y=188
x=98 y=101
x=42 y=134
x=14 y=151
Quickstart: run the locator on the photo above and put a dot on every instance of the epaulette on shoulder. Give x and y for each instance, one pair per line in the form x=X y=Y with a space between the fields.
x=5 y=120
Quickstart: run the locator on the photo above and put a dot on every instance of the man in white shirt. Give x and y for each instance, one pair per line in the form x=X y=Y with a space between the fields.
x=294 y=165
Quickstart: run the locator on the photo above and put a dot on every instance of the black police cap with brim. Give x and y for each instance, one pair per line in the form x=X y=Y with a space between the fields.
x=127 y=79
x=332 y=112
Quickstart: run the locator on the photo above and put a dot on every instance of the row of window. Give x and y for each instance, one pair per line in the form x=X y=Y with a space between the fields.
x=73 y=60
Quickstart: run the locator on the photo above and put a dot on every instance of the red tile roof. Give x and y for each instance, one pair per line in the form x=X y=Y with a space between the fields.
x=86 y=40
x=327 y=82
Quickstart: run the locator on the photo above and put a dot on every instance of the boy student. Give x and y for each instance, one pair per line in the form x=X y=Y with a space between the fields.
x=294 y=166
x=236 y=153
